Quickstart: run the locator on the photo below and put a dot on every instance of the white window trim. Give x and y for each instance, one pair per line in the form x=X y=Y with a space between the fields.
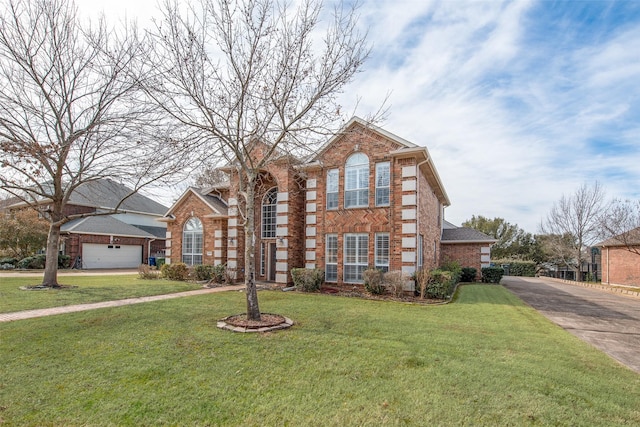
x=383 y=187
x=336 y=173
x=360 y=264
x=361 y=169
x=381 y=265
x=192 y=256
x=327 y=263
x=268 y=231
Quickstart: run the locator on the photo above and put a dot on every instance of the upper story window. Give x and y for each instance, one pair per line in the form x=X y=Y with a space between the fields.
x=356 y=186
x=192 y=242
x=383 y=180
x=333 y=176
x=269 y=202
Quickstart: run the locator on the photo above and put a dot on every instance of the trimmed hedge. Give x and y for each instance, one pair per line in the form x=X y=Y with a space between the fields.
x=522 y=268
x=468 y=274
x=492 y=274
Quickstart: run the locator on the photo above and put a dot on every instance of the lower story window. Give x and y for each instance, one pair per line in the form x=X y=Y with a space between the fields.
x=331 y=263
x=382 y=251
x=356 y=249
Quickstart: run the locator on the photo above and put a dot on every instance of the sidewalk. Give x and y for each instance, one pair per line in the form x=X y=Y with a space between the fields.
x=28 y=314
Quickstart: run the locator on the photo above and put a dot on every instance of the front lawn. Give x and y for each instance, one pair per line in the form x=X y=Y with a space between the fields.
x=486 y=359
x=84 y=289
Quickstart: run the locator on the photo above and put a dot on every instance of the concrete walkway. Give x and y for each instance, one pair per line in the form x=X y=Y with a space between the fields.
x=28 y=314
x=610 y=322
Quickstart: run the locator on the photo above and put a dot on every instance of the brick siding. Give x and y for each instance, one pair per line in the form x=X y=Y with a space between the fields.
x=620 y=266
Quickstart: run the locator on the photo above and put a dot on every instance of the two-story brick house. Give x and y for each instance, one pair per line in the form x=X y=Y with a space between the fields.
x=367 y=199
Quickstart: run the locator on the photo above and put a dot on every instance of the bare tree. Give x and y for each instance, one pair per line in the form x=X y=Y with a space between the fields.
x=255 y=71
x=70 y=111
x=621 y=224
x=577 y=216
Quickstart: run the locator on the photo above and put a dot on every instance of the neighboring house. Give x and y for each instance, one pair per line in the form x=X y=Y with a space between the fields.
x=620 y=258
x=123 y=240
x=368 y=199
x=470 y=247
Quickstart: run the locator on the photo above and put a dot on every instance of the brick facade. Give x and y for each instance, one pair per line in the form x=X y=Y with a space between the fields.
x=412 y=218
x=214 y=236
x=467 y=254
x=620 y=266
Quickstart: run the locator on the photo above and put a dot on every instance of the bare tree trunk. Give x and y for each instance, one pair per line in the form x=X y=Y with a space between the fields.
x=50 y=278
x=253 y=310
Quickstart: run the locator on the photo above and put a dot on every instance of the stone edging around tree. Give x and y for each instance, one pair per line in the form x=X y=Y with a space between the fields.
x=284 y=325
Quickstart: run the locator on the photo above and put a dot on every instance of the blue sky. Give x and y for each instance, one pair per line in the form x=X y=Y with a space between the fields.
x=518 y=102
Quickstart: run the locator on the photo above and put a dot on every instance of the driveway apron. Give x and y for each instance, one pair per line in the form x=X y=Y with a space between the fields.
x=609 y=322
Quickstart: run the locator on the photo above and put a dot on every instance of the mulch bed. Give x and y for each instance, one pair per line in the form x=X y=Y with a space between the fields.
x=267 y=320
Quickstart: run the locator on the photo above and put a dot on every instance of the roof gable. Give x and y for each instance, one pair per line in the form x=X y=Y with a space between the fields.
x=217 y=205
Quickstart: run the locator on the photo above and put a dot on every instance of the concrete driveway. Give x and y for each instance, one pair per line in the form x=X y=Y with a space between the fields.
x=608 y=321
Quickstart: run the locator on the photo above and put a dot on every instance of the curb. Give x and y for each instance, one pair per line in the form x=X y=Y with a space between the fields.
x=620 y=291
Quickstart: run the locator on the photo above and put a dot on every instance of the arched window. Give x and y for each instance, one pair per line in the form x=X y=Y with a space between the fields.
x=192 y=242
x=269 y=202
x=356 y=186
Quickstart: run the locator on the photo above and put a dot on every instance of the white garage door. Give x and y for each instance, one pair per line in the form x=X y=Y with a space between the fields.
x=111 y=256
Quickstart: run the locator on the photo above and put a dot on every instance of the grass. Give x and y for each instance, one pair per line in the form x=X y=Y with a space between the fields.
x=487 y=359
x=87 y=289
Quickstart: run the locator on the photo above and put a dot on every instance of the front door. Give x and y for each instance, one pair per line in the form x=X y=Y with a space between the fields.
x=272 y=262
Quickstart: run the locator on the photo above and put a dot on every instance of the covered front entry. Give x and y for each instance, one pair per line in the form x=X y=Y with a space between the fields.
x=111 y=256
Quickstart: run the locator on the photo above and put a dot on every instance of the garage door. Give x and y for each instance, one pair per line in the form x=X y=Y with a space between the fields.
x=111 y=256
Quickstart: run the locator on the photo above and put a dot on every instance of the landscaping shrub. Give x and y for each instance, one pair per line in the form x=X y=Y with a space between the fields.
x=394 y=282
x=175 y=271
x=38 y=262
x=468 y=274
x=148 y=272
x=522 y=268
x=373 y=281
x=454 y=268
x=230 y=275
x=492 y=274
x=307 y=280
x=212 y=273
x=7 y=266
x=64 y=261
x=442 y=283
x=422 y=278
x=219 y=273
x=203 y=272
x=32 y=262
x=10 y=260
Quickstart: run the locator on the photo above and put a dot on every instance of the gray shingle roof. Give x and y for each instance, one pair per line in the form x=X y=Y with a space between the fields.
x=105 y=193
x=630 y=238
x=106 y=225
x=216 y=203
x=464 y=234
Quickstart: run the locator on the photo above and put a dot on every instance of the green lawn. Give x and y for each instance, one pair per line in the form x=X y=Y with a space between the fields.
x=87 y=289
x=486 y=359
